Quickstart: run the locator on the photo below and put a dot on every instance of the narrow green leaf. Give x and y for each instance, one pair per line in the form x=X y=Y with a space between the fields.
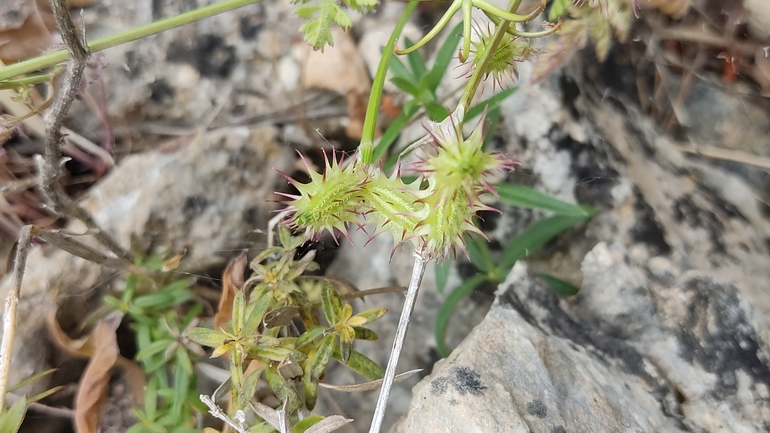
x=31 y=379
x=493 y=116
x=558 y=8
x=181 y=389
x=262 y=427
x=332 y=305
x=183 y=359
x=478 y=252
x=416 y=63
x=489 y=104
x=322 y=356
x=347 y=334
x=249 y=388
x=406 y=85
x=398 y=69
x=536 y=236
x=448 y=307
x=436 y=112
x=442 y=269
x=155 y=300
x=281 y=316
x=310 y=388
x=522 y=196
x=151 y=398
x=365 y=334
x=444 y=57
x=309 y=336
x=283 y=389
x=393 y=131
x=560 y=286
x=368 y=316
x=153 y=348
x=306 y=423
x=44 y=394
x=10 y=421
x=239 y=313
x=361 y=365
x=207 y=337
x=255 y=312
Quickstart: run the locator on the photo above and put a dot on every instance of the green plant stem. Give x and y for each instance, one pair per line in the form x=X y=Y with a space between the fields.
x=480 y=71
x=56 y=57
x=398 y=342
x=30 y=81
x=366 y=149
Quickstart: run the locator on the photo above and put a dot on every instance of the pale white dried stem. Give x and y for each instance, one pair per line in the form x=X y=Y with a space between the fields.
x=219 y=414
x=11 y=305
x=398 y=343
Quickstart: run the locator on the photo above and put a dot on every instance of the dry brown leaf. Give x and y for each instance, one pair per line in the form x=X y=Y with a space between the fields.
x=173 y=263
x=93 y=386
x=341 y=69
x=232 y=283
x=81 y=348
x=368 y=386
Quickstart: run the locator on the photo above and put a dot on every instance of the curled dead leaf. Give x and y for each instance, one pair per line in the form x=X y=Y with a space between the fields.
x=93 y=386
x=232 y=283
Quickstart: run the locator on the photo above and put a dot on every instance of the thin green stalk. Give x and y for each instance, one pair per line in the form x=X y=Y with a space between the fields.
x=30 y=81
x=57 y=57
x=478 y=73
x=366 y=149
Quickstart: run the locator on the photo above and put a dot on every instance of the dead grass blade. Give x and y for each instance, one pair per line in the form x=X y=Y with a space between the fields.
x=368 y=386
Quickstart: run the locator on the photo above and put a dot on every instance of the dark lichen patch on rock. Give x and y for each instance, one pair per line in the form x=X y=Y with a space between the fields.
x=161 y=91
x=195 y=204
x=717 y=335
x=439 y=386
x=467 y=381
x=210 y=55
x=537 y=408
x=559 y=429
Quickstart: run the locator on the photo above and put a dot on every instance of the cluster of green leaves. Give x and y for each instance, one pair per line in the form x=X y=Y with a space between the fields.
x=420 y=84
x=12 y=417
x=160 y=320
x=321 y=15
x=263 y=337
x=495 y=269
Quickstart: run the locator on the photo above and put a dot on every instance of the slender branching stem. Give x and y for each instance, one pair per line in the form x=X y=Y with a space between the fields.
x=366 y=149
x=57 y=57
x=398 y=342
x=479 y=73
x=11 y=305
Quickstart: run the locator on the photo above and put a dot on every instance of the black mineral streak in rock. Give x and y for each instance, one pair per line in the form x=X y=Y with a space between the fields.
x=537 y=408
x=647 y=229
x=209 y=55
x=569 y=94
x=560 y=324
x=438 y=386
x=591 y=168
x=558 y=429
x=717 y=335
x=686 y=211
x=467 y=381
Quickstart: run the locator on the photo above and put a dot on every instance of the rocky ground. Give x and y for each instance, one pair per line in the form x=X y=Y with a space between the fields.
x=669 y=331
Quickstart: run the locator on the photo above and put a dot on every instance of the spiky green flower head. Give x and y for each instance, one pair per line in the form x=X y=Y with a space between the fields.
x=331 y=201
x=449 y=218
x=502 y=63
x=393 y=205
x=461 y=164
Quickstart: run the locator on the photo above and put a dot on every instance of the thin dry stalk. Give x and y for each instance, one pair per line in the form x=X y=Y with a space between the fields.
x=50 y=164
x=398 y=342
x=11 y=304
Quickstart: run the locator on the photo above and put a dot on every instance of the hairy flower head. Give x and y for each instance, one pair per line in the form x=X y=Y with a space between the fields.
x=502 y=63
x=394 y=206
x=461 y=163
x=330 y=201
